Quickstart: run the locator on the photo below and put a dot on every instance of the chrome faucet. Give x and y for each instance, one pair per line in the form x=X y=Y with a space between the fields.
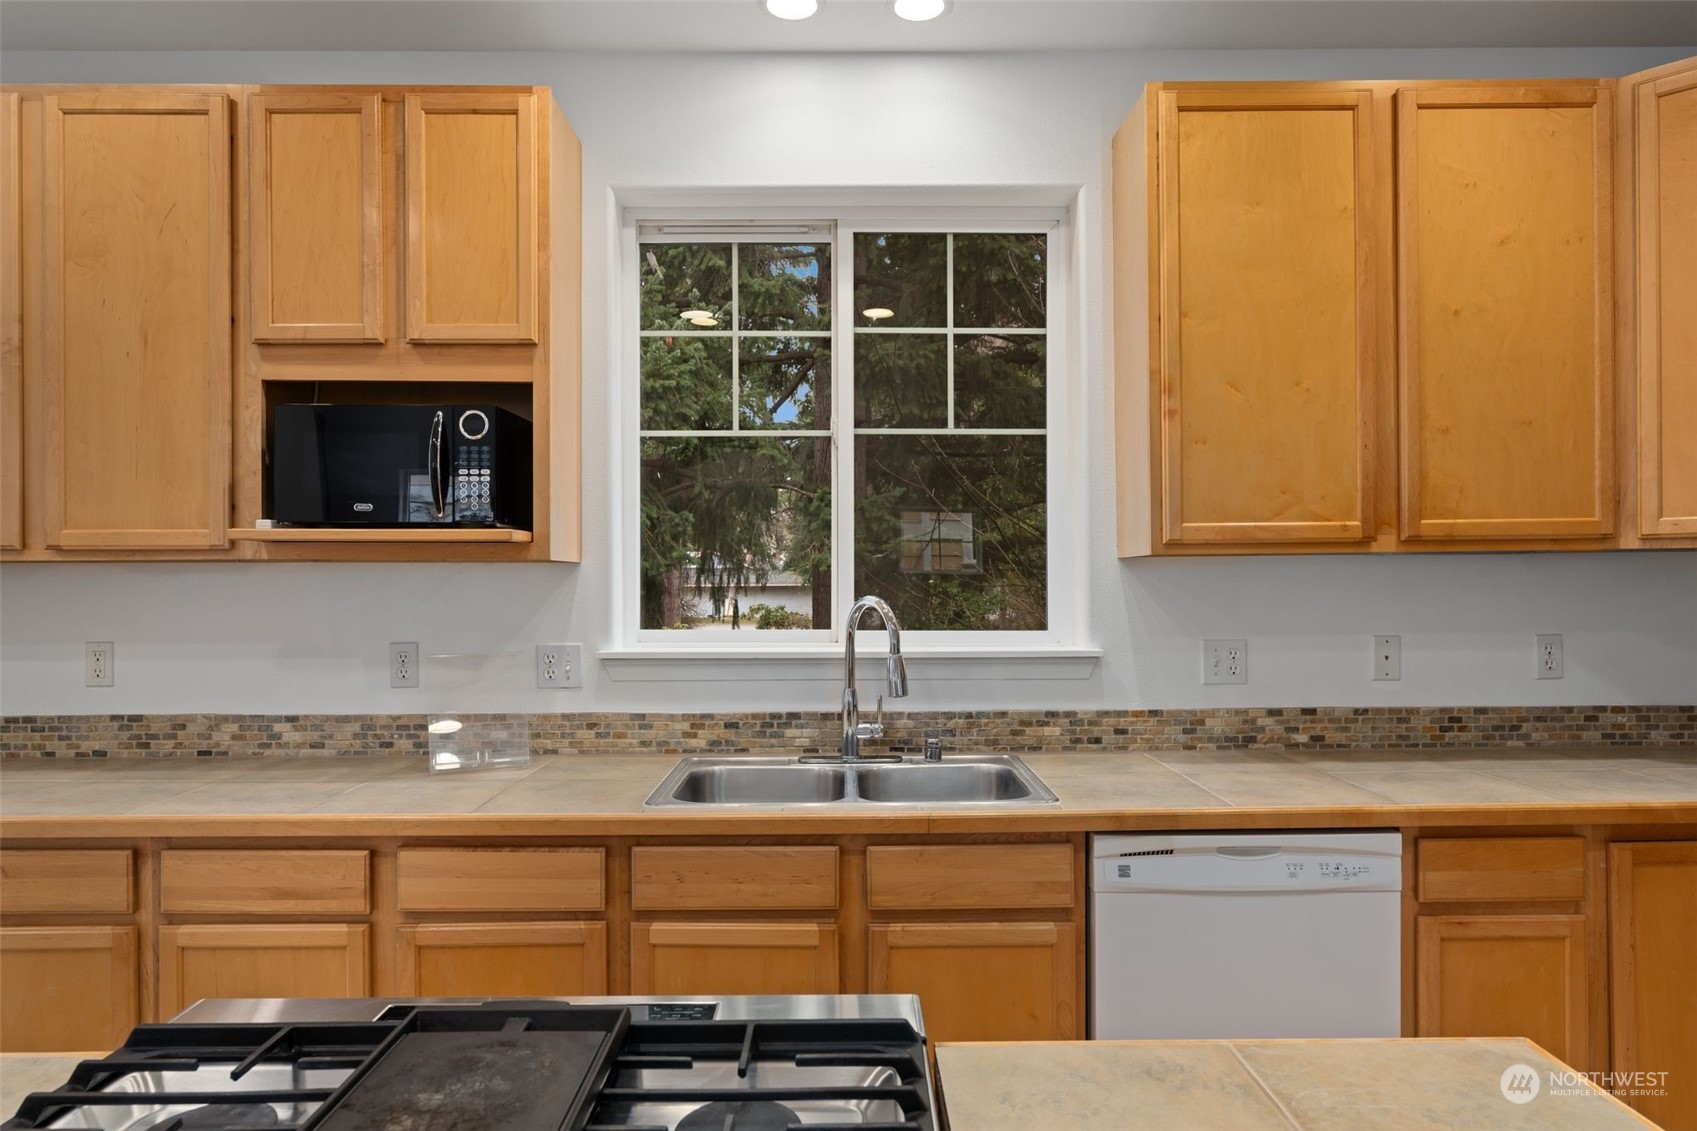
x=853 y=729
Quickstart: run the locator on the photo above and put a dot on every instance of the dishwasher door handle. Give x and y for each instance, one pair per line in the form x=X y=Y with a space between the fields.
x=1248 y=852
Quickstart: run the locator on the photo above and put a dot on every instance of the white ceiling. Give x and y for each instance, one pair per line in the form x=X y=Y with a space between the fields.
x=842 y=25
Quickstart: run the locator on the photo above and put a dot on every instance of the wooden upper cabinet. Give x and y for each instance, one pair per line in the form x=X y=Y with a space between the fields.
x=1267 y=305
x=1666 y=168
x=11 y=329
x=471 y=217
x=315 y=193
x=136 y=311
x=1504 y=216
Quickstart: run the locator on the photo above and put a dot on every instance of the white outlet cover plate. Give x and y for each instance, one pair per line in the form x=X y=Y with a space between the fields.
x=1551 y=642
x=99 y=664
x=1387 y=657
x=559 y=666
x=403 y=664
x=1225 y=661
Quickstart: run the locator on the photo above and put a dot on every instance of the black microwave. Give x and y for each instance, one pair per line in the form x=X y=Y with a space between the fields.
x=399 y=465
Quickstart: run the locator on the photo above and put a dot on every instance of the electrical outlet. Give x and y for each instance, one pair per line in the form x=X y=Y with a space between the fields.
x=403 y=664
x=99 y=663
x=1225 y=661
x=1387 y=657
x=1549 y=655
x=559 y=665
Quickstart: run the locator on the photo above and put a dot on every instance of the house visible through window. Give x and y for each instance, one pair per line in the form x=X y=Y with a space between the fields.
x=794 y=455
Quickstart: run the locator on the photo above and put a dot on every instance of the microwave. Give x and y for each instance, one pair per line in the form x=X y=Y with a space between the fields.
x=399 y=465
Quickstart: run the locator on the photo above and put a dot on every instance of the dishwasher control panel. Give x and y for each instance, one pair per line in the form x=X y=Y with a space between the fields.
x=1249 y=862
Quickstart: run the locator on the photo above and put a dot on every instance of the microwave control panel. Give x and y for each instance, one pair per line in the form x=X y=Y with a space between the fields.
x=471 y=483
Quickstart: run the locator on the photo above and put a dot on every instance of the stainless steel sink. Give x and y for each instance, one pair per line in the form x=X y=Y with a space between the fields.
x=988 y=779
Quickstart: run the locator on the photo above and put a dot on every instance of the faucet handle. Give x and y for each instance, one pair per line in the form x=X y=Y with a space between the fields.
x=875 y=728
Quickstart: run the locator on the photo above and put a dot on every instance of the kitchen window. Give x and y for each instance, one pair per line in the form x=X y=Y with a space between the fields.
x=819 y=409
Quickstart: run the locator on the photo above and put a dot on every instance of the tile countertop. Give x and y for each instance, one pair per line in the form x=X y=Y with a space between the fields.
x=1337 y=1085
x=586 y=794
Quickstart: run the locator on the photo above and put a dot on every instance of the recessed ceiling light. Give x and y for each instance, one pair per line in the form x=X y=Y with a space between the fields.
x=918 y=10
x=792 y=9
x=876 y=312
x=704 y=321
x=693 y=314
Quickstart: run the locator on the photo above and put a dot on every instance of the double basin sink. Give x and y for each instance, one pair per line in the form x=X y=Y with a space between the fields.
x=990 y=779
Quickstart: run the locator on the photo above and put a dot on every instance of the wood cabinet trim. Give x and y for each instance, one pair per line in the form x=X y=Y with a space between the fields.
x=265 y=881
x=1010 y=876
x=1414 y=524
x=522 y=106
x=1624 y=859
x=820 y=938
x=1060 y=940
x=369 y=107
x=90 y=881
x=1500 y=869
x=739 y=878
x=215 y=108
x=120 y=1001
x=501 y=879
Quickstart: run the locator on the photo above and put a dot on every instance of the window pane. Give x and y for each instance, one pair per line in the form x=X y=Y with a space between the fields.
x=903 y=273
x=1000 y=280
x=952 y=530
x=999 y=381
x=736 y=532
x=786 y=383
x=901 y=381
x=784 y=287
x=686 y=384
x=685 y=277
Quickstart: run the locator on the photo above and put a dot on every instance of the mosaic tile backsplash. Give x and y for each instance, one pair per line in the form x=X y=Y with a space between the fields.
x=807 y=732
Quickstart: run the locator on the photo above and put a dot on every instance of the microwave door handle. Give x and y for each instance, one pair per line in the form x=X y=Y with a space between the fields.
x=438 y=490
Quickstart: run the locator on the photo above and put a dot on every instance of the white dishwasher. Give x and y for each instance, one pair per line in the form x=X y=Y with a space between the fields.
x=1219 y=935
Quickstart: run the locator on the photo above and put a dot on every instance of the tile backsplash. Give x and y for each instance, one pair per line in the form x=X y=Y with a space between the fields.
x=801 y=732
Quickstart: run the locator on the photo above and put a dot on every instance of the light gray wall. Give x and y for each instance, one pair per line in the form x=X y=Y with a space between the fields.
x=285 y=638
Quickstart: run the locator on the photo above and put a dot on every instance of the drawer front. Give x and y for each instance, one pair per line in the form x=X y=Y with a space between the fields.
x=925 y=877
x=501 y=879
x=748 y=878
x=266 y=882
x=1500 y=869
x=74 y=880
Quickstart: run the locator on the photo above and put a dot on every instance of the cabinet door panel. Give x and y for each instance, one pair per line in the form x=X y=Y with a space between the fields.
x=136 y=357
x=1667 y=305
x=983 y=981
x=261 y=960
x=11 y=328
x=315 y=189
x=1267 y=315
x=1505 y=236
x=471 y=217
x=1652 y=922
x=67 y=989
x=733 y=958
x=1504 y=976
x=502 y=959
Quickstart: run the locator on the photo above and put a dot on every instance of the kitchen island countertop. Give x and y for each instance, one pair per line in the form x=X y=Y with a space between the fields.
x=590 y=794
x=1298 y=1085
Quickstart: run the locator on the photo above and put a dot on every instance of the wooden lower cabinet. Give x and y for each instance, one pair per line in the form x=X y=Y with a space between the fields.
x=1505 y=976
x=262 y=960
x=501 y=959
x=734 y=958
x=67 y=989
x=983 y=981
x=1653 y=976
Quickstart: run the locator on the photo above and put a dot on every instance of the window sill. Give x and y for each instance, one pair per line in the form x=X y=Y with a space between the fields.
x=824 y=663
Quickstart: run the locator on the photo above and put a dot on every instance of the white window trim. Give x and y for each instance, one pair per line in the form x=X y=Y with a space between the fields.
x=1061 y=651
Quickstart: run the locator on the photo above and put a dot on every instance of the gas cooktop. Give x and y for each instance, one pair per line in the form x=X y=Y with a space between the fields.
x=596 y=1064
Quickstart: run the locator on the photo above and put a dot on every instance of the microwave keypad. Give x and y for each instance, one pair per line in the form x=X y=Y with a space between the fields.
x=471 y=483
